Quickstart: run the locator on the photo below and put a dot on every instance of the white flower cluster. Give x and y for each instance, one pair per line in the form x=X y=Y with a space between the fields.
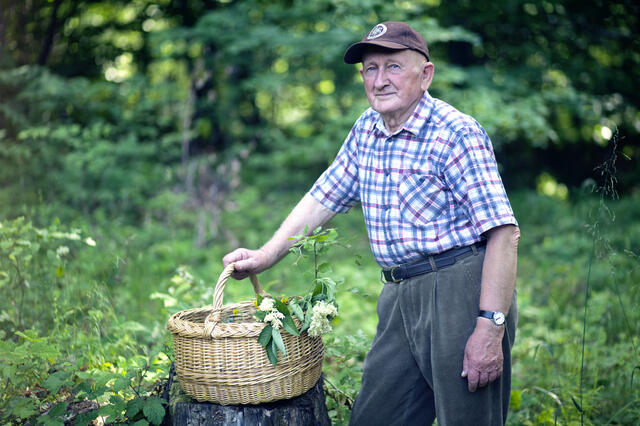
x=267 y=304
x=274 y=316
x=62 y=251
x=320 y=318
x=182 y=276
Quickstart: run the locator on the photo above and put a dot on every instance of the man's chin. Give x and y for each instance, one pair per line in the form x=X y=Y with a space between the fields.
x=383 y=106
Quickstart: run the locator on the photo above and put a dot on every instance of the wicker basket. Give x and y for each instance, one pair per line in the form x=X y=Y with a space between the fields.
x=218 y=358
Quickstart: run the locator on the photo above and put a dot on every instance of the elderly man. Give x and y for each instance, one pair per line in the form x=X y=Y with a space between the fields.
x=442 y=229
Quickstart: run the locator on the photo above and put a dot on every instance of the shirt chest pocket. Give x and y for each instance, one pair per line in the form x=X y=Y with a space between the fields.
x=422 y=198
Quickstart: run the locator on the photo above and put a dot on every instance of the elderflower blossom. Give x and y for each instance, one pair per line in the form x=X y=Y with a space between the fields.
x=320 y=318
x=62 y=251
x=267 y=304
x=274 y=318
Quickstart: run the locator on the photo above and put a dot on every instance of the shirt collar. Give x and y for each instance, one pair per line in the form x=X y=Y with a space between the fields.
x=420 y=116
x=415 y=122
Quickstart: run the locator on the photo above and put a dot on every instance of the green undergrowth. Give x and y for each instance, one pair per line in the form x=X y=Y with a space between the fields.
x=84 y=306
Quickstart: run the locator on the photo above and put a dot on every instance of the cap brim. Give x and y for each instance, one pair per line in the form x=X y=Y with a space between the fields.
x=353 y=55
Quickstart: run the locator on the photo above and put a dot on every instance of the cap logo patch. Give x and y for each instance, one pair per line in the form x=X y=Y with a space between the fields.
x=377 y=31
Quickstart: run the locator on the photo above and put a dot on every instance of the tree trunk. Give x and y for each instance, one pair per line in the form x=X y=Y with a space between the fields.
x=308 y=409
x=51 y=32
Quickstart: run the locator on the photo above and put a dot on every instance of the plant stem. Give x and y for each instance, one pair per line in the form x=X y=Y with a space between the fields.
x=584 y=320
x=315 y=259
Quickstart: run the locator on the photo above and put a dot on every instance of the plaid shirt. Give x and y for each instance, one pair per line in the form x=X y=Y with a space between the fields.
x=432 y=186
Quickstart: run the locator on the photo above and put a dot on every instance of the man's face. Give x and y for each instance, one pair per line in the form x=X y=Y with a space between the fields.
x=395 y=81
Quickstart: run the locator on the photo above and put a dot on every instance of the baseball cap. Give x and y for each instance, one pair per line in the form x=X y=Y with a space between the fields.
x=388 y=35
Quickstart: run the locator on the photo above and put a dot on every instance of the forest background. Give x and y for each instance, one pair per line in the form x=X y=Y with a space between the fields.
x=141 y=140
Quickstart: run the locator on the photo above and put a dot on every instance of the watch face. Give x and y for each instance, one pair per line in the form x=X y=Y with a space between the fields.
x=498 y=318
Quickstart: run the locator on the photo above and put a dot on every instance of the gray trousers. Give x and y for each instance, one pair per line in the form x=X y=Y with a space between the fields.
x=412 y=372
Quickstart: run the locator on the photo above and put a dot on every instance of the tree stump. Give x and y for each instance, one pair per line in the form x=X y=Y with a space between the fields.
x=305 y=410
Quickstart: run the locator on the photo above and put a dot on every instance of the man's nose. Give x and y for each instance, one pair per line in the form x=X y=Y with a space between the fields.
x=381 y=78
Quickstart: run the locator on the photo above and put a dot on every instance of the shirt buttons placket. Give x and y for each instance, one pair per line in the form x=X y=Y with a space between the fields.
x=387 y=192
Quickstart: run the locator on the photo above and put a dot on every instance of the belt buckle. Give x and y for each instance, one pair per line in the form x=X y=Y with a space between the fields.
x=393 y=278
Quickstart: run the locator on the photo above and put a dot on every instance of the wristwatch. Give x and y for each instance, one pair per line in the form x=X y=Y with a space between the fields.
x=497 y=317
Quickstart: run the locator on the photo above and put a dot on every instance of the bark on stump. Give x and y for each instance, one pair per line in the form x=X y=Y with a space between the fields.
x=308 y=409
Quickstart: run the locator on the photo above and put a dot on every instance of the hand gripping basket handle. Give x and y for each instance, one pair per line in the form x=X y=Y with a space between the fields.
x=218 y=294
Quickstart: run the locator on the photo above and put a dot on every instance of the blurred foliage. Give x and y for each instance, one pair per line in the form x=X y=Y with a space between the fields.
x=131 y=97
x=141 y=140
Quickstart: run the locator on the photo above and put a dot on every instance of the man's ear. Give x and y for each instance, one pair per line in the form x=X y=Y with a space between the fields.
x=427 y=75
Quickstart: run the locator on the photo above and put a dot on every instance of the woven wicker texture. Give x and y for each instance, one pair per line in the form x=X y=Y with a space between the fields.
x=218 y=358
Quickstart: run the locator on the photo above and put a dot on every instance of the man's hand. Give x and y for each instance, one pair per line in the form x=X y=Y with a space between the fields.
x=247 y=262
x=483 y=354
x=307 y=214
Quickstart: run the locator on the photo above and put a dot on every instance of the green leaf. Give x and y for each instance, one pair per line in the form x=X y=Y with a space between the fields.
x=287 y=321
x=103 y=377
x=324 y=268
x=86 y=418
x=121 y=383
x=317 y=289
x=133 y=407
x=114 y=409
x=297 y=310
x=52 y=418
x=290 y=326
x=307 y=320
x=55 y=381
x=576 y=404
x=30 y=336
x=516 y=400
x=319 y=297
x=277 y=338
x=48 y=421
x=282 y=307
x=272 y=353
x=265 y=336
x=259 y=315
x=23 y=407
x=109 y=411
x=154 y=410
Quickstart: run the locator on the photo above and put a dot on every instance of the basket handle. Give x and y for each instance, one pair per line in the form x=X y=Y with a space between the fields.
x=218 y=294
x=213 y=318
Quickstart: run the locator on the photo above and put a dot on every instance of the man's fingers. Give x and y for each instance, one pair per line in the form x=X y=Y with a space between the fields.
x=246 y=262
x=239 y=275
x=477 y=379
x=234 y=256
x=243 y=269
x=483 y=379
x=472 y=379
x=465 y=366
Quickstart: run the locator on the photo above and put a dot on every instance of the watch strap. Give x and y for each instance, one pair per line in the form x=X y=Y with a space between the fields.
x=498 y=318
x=486 y=314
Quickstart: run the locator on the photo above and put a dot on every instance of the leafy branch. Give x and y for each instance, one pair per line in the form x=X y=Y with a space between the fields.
x=312 y=311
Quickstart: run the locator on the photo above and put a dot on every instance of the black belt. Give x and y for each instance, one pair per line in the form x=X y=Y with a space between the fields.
x=442 y=260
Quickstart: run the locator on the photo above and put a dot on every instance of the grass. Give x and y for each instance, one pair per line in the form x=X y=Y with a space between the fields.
x=129 y=287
